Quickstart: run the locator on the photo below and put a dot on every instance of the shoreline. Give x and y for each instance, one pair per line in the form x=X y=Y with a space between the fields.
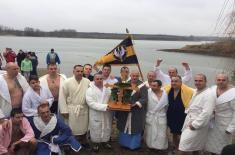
x=196 y=52
x=219 y=49
x=98 y=35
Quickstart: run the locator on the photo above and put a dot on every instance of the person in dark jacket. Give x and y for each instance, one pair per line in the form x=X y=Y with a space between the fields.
x=52 y=57
x=34 y=60
x=133 y=122
x=87 y=72
x=20 y=57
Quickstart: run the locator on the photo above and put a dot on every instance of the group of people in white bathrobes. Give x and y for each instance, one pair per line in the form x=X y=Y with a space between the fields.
x=209 y=123
x=210 y=120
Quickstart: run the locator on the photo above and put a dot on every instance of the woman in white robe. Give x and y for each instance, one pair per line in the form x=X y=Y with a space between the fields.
x=156 y=122
x=100 y=118
x=223 y=123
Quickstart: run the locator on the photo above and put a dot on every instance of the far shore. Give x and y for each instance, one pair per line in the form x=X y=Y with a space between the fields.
x=222 y=49
x=195 y=52
x=97 y=35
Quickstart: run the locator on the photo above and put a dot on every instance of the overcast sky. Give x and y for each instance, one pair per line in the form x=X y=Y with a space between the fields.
x=179 y=17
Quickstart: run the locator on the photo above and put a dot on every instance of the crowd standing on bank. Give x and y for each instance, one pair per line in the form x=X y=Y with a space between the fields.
x=38 y=115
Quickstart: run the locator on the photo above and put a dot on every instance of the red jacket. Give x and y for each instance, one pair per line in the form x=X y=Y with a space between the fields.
x=10 y=57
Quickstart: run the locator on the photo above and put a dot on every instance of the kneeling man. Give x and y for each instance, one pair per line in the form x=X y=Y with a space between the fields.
x=18 y=137
x=51 y=132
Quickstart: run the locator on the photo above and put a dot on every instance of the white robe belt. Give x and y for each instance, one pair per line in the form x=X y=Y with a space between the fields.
x=76 y=109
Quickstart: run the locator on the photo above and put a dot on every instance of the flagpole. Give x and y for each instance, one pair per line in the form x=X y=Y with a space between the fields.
x=138 y=65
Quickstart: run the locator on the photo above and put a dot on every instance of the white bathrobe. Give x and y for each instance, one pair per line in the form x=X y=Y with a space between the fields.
x=73 y=102
x=100 y=119
x=167 y=80
x=199 y=113
x=44 y=83
x=5 y=98
x=156 y=124
x=224 y=120
x=2 y=72
x=32 y=100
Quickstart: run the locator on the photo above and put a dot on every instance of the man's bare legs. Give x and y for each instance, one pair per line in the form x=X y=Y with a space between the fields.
x=176 y=141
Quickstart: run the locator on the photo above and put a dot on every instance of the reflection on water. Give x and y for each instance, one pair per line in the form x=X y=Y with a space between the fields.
x=81 y=51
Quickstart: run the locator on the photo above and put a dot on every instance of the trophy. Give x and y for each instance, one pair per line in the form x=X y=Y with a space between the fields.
x=120 y=97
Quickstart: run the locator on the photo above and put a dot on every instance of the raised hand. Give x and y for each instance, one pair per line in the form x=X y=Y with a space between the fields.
x=95 y=67
x=186 y=65
x=158 y=62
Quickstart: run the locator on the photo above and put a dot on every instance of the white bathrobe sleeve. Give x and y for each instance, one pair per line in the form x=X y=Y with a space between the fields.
x=162 y=76
x=49 y=97
x=187 y=76
x=93 y=103
x=231 y=126
x=63 y=98
x=1 y=114
x=204 y=117
x=26 y=105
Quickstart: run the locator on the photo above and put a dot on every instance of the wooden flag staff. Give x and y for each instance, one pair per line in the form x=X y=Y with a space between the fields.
x=138 y=65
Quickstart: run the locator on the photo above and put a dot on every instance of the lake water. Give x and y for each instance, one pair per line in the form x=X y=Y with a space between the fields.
x=81 y=51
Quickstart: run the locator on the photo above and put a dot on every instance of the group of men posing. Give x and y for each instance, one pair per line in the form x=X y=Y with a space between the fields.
x=199 y=119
